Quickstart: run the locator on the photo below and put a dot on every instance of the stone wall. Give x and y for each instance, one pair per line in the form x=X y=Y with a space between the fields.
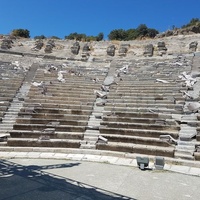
x=136 y=48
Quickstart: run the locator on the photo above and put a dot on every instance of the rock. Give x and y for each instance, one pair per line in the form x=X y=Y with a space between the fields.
x=123 y=49
x=111 y=50
x=85 y=52
x=38 y=45
x=148 y=51
x=49 y=46
x=6 y=44
x=48 y=49
x=193 y=106
x=193 y=46
x=75 y=48
x=161 y=48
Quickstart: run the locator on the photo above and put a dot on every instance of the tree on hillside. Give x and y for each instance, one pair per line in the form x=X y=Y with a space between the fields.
x=100 y=37
x=21 y=33
x=83 y=37
x=117 y=34
x=131 y=34
x=192 y=22
x=142 y=30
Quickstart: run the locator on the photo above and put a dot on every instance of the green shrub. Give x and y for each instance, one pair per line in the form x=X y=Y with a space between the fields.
x=21 y=33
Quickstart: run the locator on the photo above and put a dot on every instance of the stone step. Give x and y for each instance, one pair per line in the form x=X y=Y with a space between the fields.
x=8 y=121
x=32 y=142
x=183 y=155
x=185 y=148
x=90 y=138
x=86 y=134
x=187 y=143
x=3 y=143
x=52 y=134
x=137 y=148
x=138 y=132
x=88 y=146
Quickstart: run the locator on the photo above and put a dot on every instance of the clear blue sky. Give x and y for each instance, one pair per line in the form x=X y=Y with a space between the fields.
x=62 y=17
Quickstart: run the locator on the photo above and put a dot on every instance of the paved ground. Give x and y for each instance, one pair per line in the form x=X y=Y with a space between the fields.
x=31 y=179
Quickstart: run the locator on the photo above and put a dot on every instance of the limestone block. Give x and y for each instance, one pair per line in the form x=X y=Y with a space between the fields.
x=75 y=48
x=111 y=50
x=193 y=46
x=148 y=51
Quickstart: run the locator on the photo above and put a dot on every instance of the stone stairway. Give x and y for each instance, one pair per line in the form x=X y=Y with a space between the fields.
x=92 y=134
x=11 y=114
x=187 y=136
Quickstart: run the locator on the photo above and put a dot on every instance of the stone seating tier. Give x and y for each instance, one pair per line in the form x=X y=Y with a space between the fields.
x=54 y=116
x=56 y=111
x=135 y=140
x=140 y=126
x=59 y=100
x=139 y=120
x=32 y=142
x=49 y=121
x=68 y=105
x=51 y=135
x=63 y=95
x=170 y=105
x=141 y=109
x=138 y=132
x=41 y=127
x=137 y=148
x=138 y=114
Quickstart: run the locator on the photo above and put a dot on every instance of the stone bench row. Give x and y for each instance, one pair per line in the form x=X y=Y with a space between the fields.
x=138 y=149
x=144 y=109
x=170 y=105
x=138 y=132
x=46 y=133
x=132 y=125
x=137 y=114
x=58 y=101
x=41 y=127
x=129 y=139
x=70 y=86
x=28 y=142
x=56 y=111
x=68 y=116
x=145 y=101
x=53 y=122
x=64 y=92
x=140 y=120
x=62 y=105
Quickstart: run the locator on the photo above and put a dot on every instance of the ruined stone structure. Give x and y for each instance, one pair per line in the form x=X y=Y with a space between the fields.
x=86 y=51
x=111 y=50
x=123 y=49
x=148 y=51
x=193 y=46
x=6 y=44
x=161 y=48
x=139 y=104
x=75 y=48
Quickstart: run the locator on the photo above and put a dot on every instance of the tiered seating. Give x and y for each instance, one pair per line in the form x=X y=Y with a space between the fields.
x=56 y=114
x=10 y=81
x=139 y=110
